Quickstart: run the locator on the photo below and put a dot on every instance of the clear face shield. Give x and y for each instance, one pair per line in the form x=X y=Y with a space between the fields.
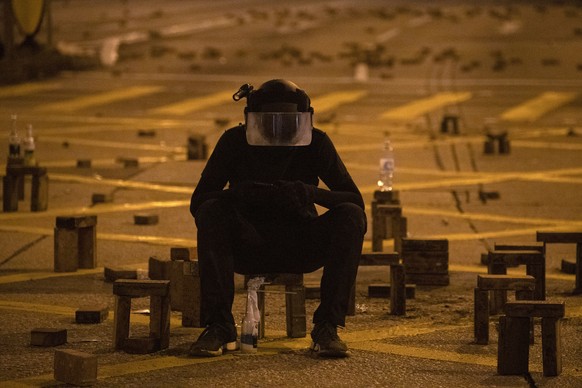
x=279 y=128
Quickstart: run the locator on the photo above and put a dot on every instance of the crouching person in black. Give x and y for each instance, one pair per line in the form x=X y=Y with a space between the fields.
x=266 y=220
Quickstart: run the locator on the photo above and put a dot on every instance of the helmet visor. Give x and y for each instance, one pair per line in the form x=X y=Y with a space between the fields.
x=279 y=128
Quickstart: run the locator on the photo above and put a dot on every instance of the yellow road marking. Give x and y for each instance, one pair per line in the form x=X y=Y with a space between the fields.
x=193 y=104
x=331 y=101
x=535 y=108
x=418 y=108
x=112 y=144
x=121 y=183
x=546 y=145
x=100 y=99
x=27 y=89
x=100 y=209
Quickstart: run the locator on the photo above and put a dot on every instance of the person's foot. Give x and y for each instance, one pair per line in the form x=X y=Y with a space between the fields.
x=326 y=342
x=215 y=339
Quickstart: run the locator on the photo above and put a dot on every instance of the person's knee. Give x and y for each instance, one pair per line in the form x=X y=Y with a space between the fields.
x=210 y=211
x=351 y=215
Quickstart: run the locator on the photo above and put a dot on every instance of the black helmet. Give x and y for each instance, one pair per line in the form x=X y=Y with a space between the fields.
x=278 y=91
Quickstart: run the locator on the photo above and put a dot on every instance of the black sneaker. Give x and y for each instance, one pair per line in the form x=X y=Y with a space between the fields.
x=214 y=339
x=326 y=342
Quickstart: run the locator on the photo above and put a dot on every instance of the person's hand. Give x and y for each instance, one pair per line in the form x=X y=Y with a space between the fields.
x=295 y=195
x=251 y=192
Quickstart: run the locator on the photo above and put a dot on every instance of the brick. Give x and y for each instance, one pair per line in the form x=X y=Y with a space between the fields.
x=428 y=279
x=426 y=262
x=141 y=345
x=191 y=295
x=146 y=133
x=101 y=198
x=113 y=274
x=146 y=219
x=535 y=308
x=568 y=267
x=379 y=258
x=513 y=346
x=559 y=237
x=83 y=163
x=141 y=288
x=312 y=291
x=128 y=162
x=505 y=282
x=423 y=245
x=184 y=253
x=177 y=284
x=48 y=337
x=92 y=314
x=159 y=269
x=73 y=222
x=75 y=367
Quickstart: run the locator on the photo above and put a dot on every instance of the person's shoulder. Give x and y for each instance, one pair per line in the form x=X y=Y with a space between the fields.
x=237 y=130
x=318 y=135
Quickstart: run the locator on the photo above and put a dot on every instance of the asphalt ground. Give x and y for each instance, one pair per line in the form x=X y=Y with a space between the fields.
x=439 y=177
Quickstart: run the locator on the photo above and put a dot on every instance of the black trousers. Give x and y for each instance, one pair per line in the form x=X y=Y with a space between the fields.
x=230 y=243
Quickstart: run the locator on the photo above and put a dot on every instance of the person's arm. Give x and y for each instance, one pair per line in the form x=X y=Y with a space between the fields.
x=335 y=175
x=214 y=176
x=329 y=199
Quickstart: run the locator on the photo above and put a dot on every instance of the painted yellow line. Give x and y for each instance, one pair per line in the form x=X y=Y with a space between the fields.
x=24 y=277
x=154 y=240
x=193 y=104
x=121 y=183
x=419 y=171
x=420 y=107
x=111 y=161
x=95 y=210
x=27 y=89
x=100 y=99
x=533 y=109
x=546 y=145
x=112 y=144
x=331 y=101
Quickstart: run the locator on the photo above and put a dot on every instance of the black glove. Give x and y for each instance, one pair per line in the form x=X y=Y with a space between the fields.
x=250 y=193
x=295 y=195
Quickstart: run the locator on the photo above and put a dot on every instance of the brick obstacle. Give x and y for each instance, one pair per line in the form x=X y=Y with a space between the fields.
x=197 y=147
x=159 y=293
x=48 y=337
x=13 y=187
x=566 y=238
x=513 y=349
x=75 y=242
x=397 y=281
x=387 y=223
x=191 y=316
x=500 y=138
x=535 y=263
x=75 y=367
x=91 y=314
x=523 y=285
x=296 y=316
x=426 y=261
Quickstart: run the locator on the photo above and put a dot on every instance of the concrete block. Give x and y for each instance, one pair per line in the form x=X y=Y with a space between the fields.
x=75 y=367
x=101 y=198
x=141 y=288
x=83 y=163
x=146 y=219
x=159 y=269
x=91 y=314
x=146 y=132
x=312 y=291
x=113 y=274
x=48 y=337
x=183 y=253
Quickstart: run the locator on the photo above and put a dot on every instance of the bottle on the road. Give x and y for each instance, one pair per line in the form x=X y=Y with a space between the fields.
x=386 y=173
x=13 y=139
x=29 y=146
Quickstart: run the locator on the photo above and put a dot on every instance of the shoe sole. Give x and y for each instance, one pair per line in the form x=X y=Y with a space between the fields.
x=229 y=346
x=316 y=352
